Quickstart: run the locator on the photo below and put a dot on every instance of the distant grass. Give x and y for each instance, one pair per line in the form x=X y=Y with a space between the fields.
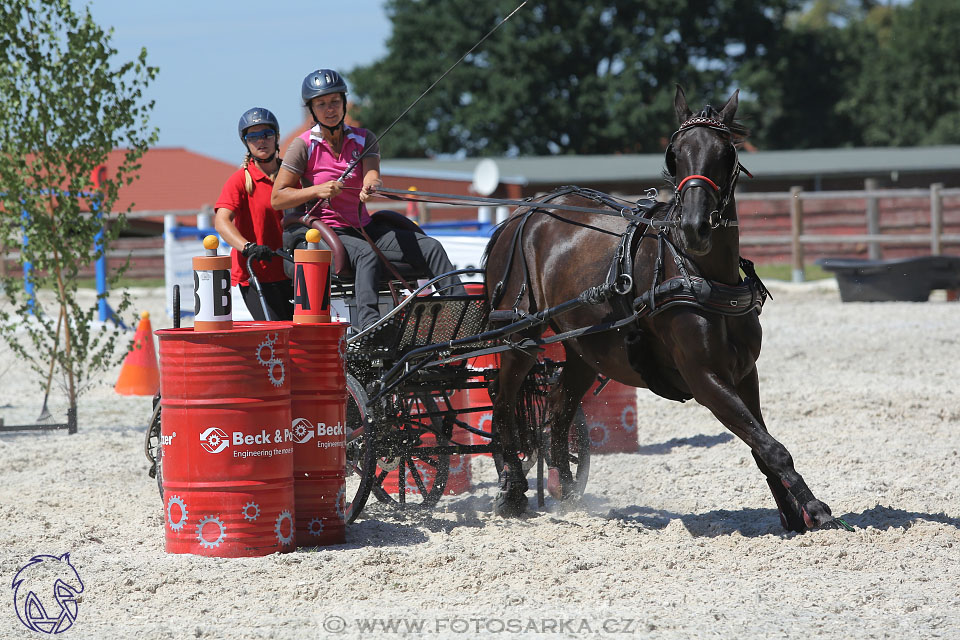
x=783 y=271
x=152 y=283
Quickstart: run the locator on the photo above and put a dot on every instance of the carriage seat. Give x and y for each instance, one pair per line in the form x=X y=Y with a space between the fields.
x=296 y=224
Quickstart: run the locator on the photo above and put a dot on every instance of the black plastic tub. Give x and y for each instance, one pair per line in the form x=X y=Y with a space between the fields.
x=904 y=279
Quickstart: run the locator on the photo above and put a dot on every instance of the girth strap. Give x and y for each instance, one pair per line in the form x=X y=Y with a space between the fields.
x=730 y=300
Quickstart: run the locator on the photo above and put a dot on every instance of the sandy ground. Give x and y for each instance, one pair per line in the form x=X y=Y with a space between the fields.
x=679 y=540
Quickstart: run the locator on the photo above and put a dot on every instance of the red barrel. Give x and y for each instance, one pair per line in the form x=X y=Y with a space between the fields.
x=612 y=418
x=311 y=285
x=226 y=440
x=319 y=415
x=391 y=482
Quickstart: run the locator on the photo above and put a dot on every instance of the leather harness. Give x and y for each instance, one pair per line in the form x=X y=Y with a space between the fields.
x=685 y=289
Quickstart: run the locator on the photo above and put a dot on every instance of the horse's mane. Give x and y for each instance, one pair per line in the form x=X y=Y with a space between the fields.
x=738 y=131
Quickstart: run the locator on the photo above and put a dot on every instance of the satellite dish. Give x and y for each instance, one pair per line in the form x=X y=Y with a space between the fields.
x=486 y=177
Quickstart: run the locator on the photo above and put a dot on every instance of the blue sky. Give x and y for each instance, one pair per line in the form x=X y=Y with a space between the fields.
x=218 y=58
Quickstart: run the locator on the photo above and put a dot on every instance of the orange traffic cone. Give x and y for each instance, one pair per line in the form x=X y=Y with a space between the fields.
x=140 y=375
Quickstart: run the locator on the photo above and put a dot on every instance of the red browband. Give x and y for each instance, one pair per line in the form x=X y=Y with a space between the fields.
x=708 y=180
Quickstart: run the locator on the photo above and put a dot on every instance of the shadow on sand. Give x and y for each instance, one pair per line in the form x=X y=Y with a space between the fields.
x=753 y=522
x=702 y=441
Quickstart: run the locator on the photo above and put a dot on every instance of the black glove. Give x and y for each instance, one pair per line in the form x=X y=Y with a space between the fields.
x=257 y=251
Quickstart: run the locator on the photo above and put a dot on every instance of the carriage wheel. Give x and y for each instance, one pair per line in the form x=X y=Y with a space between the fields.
x=152 y=448
x=406 y=424
x=360 y=454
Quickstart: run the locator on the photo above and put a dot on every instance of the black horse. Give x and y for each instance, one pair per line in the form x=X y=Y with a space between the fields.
x=678 y=318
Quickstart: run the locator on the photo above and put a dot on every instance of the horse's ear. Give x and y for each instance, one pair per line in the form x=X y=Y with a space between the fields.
x=680 y=105
x=729 y=110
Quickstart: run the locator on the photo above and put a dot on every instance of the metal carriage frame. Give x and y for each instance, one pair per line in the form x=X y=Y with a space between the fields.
x=404 y=375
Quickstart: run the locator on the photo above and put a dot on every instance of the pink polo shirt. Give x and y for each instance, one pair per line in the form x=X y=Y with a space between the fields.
x=311 y=157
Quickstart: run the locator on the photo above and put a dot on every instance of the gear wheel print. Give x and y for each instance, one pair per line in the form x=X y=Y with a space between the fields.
x=315 y=527
x=628 y=418
x=207 y=543
x=176 y=526
x=282 y=539
x=599 y=434
x=272 y=361
x=250 y=511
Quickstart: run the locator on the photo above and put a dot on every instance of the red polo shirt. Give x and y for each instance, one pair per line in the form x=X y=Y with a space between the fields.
x=256 y=221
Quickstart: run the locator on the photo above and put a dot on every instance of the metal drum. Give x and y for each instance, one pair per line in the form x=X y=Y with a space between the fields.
x=319 y=416
x=226 y=440
x=612 y=418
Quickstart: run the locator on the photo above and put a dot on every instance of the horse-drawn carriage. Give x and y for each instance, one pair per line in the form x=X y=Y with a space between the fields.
x=407 y=383
x=647 y=293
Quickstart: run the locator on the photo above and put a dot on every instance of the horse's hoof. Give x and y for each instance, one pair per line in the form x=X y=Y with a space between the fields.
x=561 y=487
x=507 y=505
x=817 y=515
x=554 y=485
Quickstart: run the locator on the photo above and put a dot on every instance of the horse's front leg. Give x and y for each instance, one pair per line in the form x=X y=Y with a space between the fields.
x=738 y=408
x=792 y=515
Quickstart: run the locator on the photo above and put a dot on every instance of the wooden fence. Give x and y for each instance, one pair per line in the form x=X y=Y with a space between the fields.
x=801 y=226
x=796 y=227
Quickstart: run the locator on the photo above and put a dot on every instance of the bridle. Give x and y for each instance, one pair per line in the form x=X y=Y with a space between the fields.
x=720 y=197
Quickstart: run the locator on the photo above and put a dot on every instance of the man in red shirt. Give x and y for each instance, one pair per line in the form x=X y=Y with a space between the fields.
x=247 y=222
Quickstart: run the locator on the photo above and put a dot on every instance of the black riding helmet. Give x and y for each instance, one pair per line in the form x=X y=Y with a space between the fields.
x=255 y=116
x=323 y=82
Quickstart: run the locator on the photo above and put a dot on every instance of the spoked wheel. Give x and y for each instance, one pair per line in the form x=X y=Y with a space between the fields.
x=360 y=455
x=408 y=475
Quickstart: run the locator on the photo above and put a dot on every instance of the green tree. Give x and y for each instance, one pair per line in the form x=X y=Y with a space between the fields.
x=797 y=90
x=564 y=76
x=908 y=92
x=64 y=105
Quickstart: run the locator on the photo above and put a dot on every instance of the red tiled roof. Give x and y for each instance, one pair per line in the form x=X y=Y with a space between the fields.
x=173 y=179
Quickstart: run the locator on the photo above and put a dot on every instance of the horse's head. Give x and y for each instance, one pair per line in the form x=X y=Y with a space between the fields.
x=703 y=161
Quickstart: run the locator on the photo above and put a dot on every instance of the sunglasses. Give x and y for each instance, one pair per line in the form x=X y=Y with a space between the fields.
x=266 y=134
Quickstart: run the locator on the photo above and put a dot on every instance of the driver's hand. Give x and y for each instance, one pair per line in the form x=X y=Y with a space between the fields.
x=370 y=189
x=328 y=190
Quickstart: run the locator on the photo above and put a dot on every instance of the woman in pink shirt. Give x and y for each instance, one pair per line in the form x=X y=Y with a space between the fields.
x=247 y=222
x=311 y=171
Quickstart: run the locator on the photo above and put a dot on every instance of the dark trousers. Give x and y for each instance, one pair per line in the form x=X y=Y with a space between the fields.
x=278 y=297
x=422 y=252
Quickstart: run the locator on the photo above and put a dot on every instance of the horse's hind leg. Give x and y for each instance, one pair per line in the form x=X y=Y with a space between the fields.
x=510 y=500
x=575 y=378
